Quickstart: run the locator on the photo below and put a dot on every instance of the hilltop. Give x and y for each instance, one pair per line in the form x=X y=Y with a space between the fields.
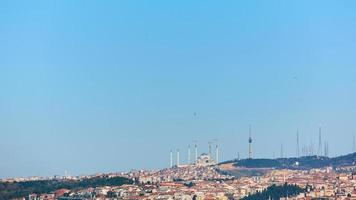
x=306 y=162
x=259 y=166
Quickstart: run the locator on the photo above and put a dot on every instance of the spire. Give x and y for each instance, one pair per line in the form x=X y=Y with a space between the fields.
x=196 y=150
x=177 y=157
x=171 y=155
x=188 y=154
x=297 y=143
x=320 y=145
x=217 y=154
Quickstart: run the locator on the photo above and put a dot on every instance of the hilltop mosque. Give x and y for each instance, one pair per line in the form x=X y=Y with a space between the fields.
x=201 y=161
x=205 y=160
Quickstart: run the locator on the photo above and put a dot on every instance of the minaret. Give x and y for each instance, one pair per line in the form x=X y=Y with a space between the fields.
x=177 y=157
x=210 y=154
x=188 y=154
x=297 y=143
x=196 y=152
x=353 y=144
x=249 y=143
x=171 y=158
x=217 y=154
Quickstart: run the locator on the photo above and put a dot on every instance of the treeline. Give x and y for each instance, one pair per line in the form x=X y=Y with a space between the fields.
x=307 y=162
x=276 y=192
x=290 y=163
x=259 y=163
x=22 y=189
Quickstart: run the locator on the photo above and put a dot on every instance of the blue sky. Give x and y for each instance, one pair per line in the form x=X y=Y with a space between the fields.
x=88 y=86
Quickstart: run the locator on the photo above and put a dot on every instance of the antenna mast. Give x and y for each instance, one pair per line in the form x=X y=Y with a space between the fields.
x=249 y=143
x=282 y=150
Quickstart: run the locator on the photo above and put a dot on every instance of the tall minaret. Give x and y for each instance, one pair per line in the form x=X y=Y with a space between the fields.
x=217 y=154
x=320 y=145
x=196 y=151
x=249 y=143
x=188 y=154
x=297 y=143
x=177 y=157
x=171 y=158
x=210 y=154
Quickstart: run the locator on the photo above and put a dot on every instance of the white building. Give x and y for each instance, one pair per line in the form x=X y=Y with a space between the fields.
x=205 y=160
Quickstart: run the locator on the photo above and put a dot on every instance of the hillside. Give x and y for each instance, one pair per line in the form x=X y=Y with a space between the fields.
x=276 y=192
x=307 y=162
x=21 y=189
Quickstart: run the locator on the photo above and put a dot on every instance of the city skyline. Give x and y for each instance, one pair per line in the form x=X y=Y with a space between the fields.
x=100 y=87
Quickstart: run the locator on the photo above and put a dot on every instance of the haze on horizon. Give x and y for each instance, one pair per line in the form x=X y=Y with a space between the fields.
x=112 y=86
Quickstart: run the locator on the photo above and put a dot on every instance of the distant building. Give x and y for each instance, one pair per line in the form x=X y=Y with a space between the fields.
x=205 y=160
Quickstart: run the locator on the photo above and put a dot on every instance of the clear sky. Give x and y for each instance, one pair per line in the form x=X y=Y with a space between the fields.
x=99 y=86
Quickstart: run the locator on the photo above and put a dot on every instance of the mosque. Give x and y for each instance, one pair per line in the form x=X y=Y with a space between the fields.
x=201 y=161
x=204 y=160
